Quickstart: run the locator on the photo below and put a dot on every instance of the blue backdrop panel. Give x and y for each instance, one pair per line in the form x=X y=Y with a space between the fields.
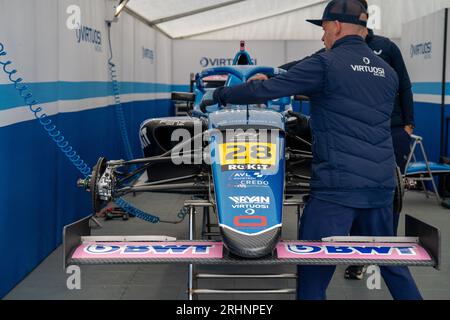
x=303 y=107
x=447 y=129
x=39 y=184
x=428 y=126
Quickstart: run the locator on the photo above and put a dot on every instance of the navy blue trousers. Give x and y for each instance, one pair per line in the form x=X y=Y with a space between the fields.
x=323 y=219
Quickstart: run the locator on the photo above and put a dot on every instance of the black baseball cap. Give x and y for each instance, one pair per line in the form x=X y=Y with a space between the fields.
x=346 y=11
x=365 y=4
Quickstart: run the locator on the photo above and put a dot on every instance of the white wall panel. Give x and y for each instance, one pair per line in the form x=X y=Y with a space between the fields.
x=144 y=61
x=82 y=53
x=29 y=34
x=163 y=56
x=44 y=49
x=193 y=56
x=297 y=50
x=423 y=49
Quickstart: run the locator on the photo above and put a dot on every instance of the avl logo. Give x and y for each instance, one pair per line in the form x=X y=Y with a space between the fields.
x=422 y=49
x=206 y=62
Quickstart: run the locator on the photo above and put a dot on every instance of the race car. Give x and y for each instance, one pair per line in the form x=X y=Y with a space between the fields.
x=256 y=160
x=245 y=162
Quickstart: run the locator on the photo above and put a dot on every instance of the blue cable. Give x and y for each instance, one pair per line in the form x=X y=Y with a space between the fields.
x=136 y=212
x=124 y=134
x=62 y=143
x=43 y=118
x=130 y=209
x=119 y=109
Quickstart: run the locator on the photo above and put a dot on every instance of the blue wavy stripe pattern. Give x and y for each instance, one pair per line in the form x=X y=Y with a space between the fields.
x=46 y=92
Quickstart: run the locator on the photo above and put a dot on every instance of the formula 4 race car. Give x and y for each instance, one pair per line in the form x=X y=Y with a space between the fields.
x=244 y=163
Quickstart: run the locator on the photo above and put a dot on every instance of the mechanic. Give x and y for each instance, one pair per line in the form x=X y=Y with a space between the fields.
x=352 y=93
x=402 y=119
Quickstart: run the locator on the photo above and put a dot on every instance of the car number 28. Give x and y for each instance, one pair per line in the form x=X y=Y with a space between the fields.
x=247 y=153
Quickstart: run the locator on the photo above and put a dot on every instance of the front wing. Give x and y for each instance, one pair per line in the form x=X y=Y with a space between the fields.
x=421 y=247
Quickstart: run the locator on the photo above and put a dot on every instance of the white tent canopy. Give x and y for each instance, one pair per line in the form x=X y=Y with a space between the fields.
x=267 y=19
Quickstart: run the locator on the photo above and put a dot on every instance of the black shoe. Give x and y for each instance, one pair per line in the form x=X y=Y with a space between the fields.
x=354 y=273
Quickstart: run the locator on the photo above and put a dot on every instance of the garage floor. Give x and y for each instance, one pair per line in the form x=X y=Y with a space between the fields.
x=48 y=280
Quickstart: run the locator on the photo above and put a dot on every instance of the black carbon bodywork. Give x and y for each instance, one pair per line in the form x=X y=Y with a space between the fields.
x=248 y=246
x=156 y=139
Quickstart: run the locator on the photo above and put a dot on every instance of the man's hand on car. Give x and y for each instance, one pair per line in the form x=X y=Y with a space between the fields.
x=258 y=77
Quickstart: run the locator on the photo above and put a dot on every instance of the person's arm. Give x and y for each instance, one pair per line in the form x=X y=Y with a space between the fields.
x=405 y=88
x=289 y=65
x=306 y=78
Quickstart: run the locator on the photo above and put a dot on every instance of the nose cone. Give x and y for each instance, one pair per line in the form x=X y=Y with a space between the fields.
x=251 y=246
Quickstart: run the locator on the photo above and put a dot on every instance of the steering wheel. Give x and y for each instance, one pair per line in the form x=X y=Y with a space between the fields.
x=206 y=103
x=214 y=72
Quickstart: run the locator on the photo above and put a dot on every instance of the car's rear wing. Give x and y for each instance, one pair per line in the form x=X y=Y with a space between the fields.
x=420 y=247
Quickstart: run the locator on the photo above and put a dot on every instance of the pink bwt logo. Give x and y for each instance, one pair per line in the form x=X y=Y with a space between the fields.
x=154 y=250
x=383 y=251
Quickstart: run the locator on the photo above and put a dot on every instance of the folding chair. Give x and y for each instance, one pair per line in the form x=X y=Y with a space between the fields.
x=423 y=170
